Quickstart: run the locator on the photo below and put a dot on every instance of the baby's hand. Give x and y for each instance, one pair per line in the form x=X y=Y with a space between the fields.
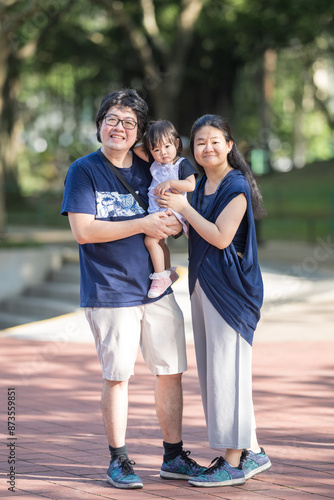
x=162 y=187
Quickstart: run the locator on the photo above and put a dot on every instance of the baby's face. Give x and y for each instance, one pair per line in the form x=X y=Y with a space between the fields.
x=165 y=152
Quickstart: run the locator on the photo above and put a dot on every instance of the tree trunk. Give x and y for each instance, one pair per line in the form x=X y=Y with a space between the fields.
x=163 y=67
x=266 y=84
x=299 y=145
x=4 y=55
x=11 y=45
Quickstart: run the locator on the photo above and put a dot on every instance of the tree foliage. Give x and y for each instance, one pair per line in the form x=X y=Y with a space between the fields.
x=186 y=57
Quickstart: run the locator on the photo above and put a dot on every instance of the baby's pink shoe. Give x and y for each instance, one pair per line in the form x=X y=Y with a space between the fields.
x=160 y=283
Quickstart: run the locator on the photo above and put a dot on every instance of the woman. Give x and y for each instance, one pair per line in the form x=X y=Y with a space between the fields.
x=226 y=296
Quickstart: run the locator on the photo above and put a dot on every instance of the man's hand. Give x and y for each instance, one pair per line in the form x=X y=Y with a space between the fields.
x=173 y=223
x=160 y=225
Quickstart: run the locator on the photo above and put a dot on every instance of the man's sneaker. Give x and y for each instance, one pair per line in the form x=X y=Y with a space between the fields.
x=219 y=474
x=254 y=463
x=160 y=283
x=181 y=467
x=121 y=474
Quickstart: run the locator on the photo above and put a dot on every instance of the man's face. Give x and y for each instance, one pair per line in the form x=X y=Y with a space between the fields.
x=117 y=137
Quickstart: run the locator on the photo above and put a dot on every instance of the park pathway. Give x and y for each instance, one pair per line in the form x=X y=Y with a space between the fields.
x=59 y=444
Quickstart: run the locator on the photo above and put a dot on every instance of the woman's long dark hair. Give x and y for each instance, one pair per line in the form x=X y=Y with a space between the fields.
x=234 y=158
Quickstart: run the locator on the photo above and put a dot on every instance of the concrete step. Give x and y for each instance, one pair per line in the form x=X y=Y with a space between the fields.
x=70 y=255
x=40 y=307
x=68 y=273
x=56 y=290
x=8 y=320
x=59 y=294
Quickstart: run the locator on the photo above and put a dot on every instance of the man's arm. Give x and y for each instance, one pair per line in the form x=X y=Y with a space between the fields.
x=86 y=229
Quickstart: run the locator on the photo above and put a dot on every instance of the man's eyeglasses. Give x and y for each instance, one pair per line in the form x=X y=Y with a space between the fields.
x=113 y=121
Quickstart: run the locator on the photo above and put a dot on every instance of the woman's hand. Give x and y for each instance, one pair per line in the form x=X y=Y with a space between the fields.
x=173 y=200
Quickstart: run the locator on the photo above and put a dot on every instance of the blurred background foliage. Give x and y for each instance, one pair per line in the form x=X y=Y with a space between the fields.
x=267 y=66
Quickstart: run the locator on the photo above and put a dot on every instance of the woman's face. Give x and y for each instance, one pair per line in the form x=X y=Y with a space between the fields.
x=211 y=148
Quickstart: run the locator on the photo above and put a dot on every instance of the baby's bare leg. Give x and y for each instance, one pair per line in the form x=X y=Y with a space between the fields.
x=156 y=252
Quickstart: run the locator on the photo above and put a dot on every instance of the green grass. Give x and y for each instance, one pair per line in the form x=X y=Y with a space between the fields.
x=300 y=203
x=9 y=244
x=40 y=211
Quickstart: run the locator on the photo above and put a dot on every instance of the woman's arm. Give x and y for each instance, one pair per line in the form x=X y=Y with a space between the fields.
x=220 y=233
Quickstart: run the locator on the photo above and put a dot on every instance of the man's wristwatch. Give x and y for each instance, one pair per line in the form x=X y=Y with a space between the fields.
x=176 y=236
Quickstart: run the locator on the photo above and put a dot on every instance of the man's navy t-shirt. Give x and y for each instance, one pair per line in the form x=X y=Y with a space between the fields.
x=113 y=274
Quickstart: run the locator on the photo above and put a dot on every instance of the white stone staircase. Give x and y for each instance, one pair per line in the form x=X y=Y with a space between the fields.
x=58 y=294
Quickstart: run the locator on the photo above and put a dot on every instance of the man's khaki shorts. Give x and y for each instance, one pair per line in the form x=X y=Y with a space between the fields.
x=158 y=328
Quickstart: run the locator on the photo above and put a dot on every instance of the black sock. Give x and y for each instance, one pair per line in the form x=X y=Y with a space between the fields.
x=118 y=452
x=172 y=450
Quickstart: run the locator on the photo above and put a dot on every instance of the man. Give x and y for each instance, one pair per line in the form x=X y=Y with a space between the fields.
x=110 y=225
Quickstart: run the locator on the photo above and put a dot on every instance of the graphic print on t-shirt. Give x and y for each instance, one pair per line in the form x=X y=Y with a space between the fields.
x=113 y=204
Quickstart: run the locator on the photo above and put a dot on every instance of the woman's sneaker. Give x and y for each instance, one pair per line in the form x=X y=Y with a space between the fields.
x=181 y=467
x=219 y=474
x=254 y=463
x=121 y=474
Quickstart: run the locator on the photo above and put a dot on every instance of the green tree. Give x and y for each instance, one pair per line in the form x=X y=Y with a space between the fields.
x=185 y=57
x=22 y=23
x=161 y=35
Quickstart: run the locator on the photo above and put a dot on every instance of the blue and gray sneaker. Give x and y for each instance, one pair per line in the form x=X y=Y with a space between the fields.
x=181 y=467
x=220 y=473
x=121 y=474
x=254 y=463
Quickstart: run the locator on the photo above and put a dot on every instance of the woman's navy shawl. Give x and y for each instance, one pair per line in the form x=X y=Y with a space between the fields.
x=233 y=285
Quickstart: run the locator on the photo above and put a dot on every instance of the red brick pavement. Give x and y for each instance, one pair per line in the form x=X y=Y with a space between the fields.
x=60 y=446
